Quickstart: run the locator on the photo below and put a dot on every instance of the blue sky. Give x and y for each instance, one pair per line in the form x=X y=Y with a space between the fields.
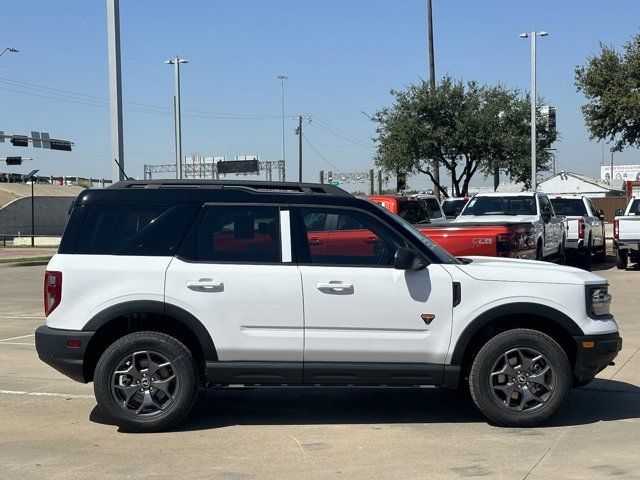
x=342 y=58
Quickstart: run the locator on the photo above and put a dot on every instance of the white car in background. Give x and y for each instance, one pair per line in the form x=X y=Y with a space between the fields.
x=533 y=207
x=626 y=234
x=585 y=228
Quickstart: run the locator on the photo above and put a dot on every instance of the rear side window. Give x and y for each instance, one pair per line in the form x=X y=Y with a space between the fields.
x=413 y=211
x=236 y=234
x=434 y=208
x=133 y=230
x=635 y=208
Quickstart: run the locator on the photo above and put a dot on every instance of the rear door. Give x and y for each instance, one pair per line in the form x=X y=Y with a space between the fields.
x=234 y=273
x=552 y=228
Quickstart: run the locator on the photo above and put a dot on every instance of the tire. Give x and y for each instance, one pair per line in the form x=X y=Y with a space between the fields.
x=539 y=252
x=586 y=257
x=601 y=254
x=622 y=258
x=529 y=403
x=157 y=384
x=562 y=253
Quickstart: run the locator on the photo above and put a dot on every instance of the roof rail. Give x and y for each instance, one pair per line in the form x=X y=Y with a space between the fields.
x=254 y=185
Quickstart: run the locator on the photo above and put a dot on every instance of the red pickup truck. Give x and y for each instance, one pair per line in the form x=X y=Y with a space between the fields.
x=495 y=240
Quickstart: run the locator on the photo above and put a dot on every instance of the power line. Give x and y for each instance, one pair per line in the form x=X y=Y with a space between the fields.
x=319 y=154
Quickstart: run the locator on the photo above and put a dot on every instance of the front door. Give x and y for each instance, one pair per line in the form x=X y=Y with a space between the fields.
x=358 y=308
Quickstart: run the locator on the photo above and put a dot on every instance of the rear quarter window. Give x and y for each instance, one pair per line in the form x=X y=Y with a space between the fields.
x=134 y=230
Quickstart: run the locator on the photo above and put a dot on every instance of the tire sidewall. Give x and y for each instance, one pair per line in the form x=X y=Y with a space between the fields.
x=184 y=367
x=479 y=379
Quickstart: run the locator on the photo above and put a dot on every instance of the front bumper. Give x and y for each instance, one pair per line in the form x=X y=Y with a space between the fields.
x=593 y=354
x=53 y=348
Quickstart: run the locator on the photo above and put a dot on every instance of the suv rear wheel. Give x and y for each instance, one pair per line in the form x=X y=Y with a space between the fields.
x=520 y=378
x=146 y=381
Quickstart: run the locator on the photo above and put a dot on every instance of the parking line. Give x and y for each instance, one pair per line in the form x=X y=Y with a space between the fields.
x=44 y=394
x=18 y=343
x=16 y=338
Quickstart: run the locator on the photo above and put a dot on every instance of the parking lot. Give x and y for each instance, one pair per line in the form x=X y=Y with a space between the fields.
x=50 y=427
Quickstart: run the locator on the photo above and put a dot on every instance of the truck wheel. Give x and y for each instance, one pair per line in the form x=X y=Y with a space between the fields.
x=146 y=382
x=601 y=254
x=622 y=258
x=562 y=253
x=539 y=252
x=520 y=378
x=587 y=253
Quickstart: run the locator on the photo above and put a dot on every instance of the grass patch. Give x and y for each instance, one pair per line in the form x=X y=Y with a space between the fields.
x=25 y=259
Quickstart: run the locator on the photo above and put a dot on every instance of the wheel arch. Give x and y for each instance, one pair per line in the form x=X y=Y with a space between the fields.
x=127 y=317
x=505 y=317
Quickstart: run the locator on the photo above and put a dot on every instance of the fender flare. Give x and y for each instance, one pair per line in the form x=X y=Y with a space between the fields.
x=148 y=306
x=509 y=310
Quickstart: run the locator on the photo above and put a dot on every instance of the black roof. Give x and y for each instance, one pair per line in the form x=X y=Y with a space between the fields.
x=169 y=192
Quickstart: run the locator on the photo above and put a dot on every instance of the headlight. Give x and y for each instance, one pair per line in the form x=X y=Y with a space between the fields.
x=598 y=301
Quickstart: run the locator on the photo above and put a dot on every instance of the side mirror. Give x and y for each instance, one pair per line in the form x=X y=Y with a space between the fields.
x=407 y=259
x=601 y=214
x=619 y=212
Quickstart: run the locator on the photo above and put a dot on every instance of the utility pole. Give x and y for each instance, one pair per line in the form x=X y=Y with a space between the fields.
x=432 y=83
x=301 y=118
x=299 y=131
x=282 y=78
x=612 y=165
x=534 y=171
x=176 y=110
x=115 y=89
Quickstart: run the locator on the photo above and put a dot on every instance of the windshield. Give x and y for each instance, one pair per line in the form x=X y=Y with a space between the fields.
x=569 y=207
x=436 y=250
x=520 y=205
x=413 y=211
x=450 y=207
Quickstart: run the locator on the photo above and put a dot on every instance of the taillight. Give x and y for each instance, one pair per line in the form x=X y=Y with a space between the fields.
x=581 y=227
x=616 y=229
x=52 y=291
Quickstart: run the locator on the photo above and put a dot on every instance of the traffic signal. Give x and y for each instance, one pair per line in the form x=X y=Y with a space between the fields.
x=60 y=145
x=14 y=160
x=20 y=141
x=552 y=122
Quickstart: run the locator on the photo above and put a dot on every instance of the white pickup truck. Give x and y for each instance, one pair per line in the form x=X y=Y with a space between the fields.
x=531 y=207
x=585 y=228
x=626 y=234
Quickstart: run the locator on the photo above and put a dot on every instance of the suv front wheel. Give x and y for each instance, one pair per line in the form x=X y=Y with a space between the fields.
x=146 y=381
x=520 y=378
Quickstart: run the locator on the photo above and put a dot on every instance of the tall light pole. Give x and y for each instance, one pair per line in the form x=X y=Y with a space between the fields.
x=282 y=78
x=9 y=49
x=432 y=84
x=30 y=176
x=115 y=90
x=176 y=107
x=532 y=35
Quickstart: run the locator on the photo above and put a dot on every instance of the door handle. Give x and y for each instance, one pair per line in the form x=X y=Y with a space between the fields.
x=371 y=240
x=205 y=284
x=336 y=286
x=314 y=241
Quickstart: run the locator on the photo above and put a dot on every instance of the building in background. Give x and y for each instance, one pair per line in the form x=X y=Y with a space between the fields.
x=576 y=184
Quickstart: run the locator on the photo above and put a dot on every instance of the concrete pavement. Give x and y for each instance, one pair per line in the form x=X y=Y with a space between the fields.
x=50 y=427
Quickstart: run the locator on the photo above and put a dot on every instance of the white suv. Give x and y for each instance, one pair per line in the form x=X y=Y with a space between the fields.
x=162 y=287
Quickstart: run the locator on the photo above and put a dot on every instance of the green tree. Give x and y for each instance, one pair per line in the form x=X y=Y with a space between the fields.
x=468 y=127
x=611 y=83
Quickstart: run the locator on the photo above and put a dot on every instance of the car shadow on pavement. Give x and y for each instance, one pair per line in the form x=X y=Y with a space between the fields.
x=600 y=401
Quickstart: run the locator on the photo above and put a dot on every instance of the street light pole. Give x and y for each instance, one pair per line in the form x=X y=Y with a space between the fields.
x=9 y=49
x=33 y=216
x=115 y=90
x=282 y=78
x=532 y=35
x=176 y=107
x=432 y=84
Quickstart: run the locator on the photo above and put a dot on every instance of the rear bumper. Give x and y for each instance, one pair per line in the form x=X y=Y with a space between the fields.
x=52 y=347
x=593 y=354
x=628 y=244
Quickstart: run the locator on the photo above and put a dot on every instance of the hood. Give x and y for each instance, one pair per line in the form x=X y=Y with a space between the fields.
x=495 y=218
x=526 y=271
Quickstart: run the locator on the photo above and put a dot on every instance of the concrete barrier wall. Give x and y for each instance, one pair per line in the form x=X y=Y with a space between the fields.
x=51 y=214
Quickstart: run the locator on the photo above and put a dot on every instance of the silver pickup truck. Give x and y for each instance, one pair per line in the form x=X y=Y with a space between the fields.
x=626 y=234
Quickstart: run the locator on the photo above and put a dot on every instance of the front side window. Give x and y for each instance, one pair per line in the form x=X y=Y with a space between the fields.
x=357 y=239
x=237 y=235
x=434 y=206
